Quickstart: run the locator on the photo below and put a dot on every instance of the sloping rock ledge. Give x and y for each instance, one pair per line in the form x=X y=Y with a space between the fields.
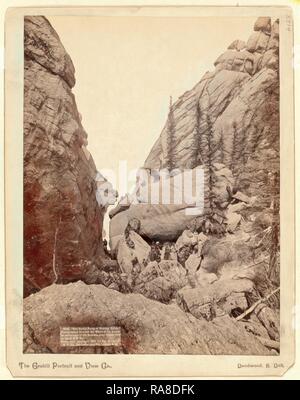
x=147 y=326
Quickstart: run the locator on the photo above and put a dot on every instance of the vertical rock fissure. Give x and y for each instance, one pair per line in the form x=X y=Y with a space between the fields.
x=54 y=251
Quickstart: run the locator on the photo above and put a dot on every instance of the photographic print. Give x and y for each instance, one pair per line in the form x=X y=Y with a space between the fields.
x=152 y=187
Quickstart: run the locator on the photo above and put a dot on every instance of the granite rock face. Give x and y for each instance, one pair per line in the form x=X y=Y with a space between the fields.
x=231 y=102
x=228 y=120
x=62 y=220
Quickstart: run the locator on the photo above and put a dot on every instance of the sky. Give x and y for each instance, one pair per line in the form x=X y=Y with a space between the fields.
x=126 y=70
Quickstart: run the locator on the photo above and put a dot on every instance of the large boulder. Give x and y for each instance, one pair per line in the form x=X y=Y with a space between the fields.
x=263 y=24
x=166 y=222
x=231 y=249
x=221 y=297
x=131 y=251
x=158 y=222
x=147 y=326
x=193 y=263
x=270 y=59
x=187 y=238
x=161 y=281
x=234 y=60
x=258 y=42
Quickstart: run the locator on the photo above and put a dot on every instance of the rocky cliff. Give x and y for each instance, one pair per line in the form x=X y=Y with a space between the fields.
x=227 y=124
x=62 y=220
x=232 y=111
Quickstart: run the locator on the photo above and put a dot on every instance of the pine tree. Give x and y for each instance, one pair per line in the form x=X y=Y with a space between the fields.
x=210 y=163
x=196 y=143
x=256 y=136
x=243 y=150
x=221 y=148
x=274 y=247
x=170 y=159
x=234 y=154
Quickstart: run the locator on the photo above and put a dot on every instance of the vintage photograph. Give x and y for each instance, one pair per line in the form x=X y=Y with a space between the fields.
x=151 y=185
